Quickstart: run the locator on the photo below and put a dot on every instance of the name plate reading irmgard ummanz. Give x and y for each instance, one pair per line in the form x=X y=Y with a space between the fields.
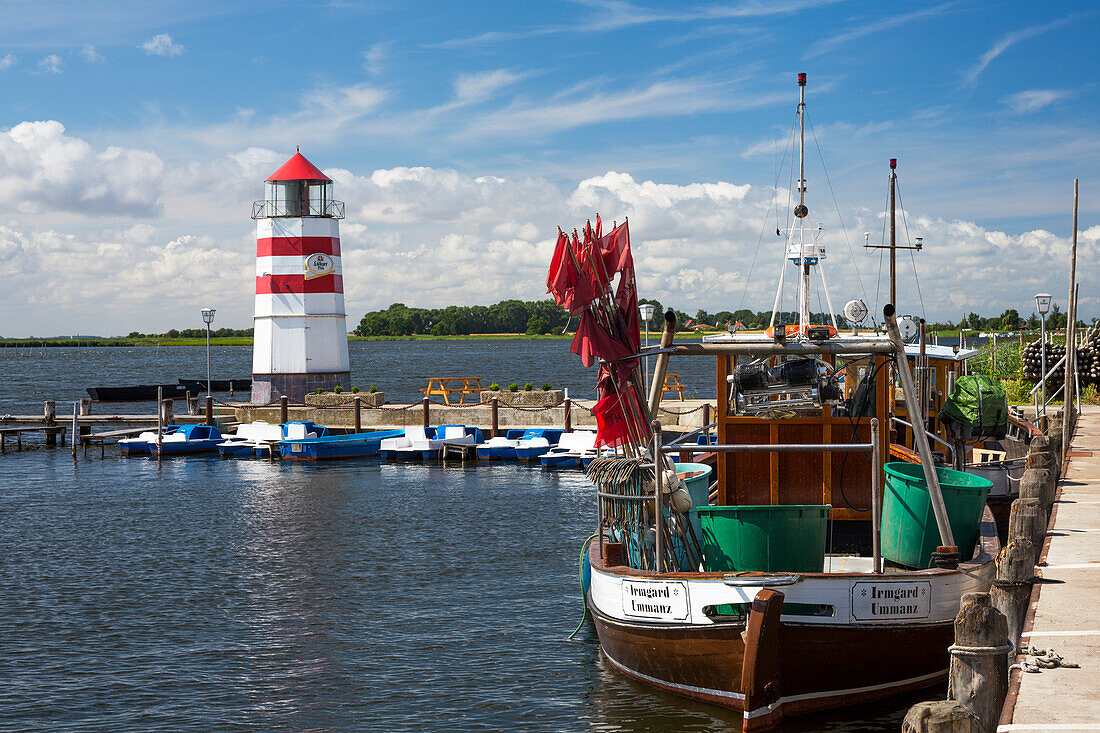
x=661 y=600
x=875 y=601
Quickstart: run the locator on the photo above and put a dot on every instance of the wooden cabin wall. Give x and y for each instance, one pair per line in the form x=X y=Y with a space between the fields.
x=798 y=478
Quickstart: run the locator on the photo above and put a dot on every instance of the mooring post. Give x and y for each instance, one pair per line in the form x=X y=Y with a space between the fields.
x=1038 y=483
x=426 y=403
x=1011 y=591
x=85 y=405
x=76 y=429
x=1027 y=518
x=160 y=416
x=978 y=676
x=568 y=424
x=494 y=417
x=358 y=414
x=706 y=416
x=940 y=716
x=284 y=409
x=1054 y=437
x=168 y=411
x=49 y=419
x=209 y=410
x=761 y=663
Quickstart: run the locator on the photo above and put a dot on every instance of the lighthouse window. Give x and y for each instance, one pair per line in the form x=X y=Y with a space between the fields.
x=320 y=194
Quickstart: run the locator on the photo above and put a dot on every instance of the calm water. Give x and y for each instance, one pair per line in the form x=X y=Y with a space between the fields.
x=208 y=594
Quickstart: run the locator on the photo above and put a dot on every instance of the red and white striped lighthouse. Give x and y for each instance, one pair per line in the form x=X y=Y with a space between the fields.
x=300 y=340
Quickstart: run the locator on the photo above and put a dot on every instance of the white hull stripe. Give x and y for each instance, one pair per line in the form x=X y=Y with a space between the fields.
x=781 y=701
x=1037 y=728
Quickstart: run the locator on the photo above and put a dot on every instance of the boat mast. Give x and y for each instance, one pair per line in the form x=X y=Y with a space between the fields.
x=893 y=235
x=801 y=211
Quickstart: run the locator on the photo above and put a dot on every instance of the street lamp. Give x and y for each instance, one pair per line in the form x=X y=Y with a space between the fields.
x=208 y=318
x=1042 y=304
x=646 y=311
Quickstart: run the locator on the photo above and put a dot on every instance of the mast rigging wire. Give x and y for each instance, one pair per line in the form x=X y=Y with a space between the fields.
x=764 y=225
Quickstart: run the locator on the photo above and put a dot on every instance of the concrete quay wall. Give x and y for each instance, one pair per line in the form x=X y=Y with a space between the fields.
x=676 y=415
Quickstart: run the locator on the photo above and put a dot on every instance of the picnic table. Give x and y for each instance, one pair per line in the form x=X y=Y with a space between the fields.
x=446 y=386
x=672 y=384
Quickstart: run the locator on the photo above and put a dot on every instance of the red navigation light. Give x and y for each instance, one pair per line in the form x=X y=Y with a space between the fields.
x=893 y=163
x=802 y=79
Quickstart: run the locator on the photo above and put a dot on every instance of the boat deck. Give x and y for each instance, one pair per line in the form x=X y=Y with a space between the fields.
x=1066 y=617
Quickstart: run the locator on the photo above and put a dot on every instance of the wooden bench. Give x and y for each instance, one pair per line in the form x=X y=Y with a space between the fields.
x=446 y=386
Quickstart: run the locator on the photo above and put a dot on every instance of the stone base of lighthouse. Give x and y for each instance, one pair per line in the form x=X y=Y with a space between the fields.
x=268 y=388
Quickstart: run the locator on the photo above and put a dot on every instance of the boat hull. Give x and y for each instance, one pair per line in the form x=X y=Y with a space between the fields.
x=827 y=667
x=362 y=445
x=185 y=448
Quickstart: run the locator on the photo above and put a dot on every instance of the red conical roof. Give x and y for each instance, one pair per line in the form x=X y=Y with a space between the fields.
x=298 y=169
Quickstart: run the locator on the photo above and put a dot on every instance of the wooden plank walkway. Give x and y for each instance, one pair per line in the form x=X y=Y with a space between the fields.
x=1066 y=615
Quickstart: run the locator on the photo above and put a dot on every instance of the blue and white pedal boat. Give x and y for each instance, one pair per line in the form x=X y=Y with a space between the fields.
x=188 y=440
x=332 y=447
x=139 y=446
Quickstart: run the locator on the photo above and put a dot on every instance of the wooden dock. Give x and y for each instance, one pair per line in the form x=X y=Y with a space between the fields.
x=1065 y=608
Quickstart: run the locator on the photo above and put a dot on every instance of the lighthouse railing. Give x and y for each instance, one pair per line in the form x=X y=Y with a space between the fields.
x=268 y=209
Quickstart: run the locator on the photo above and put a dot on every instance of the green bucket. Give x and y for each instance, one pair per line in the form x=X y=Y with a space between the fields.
x=764 y=538
x=909 y=531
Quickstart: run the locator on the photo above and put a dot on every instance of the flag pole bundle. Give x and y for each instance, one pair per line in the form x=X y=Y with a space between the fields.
x=592 y=275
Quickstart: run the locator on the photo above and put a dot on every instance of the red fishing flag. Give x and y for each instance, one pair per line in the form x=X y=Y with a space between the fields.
x=615 y=250
x=613 y=427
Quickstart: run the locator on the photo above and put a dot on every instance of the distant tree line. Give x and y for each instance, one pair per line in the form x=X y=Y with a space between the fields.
x=508 y=316
x=192 y=333
x=1009 y=320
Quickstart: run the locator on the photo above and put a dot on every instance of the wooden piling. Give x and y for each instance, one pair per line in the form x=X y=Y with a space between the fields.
x=706 y=414
x=940 y=716
x=358 y=413
x=494 y=417
x=284 y=409
x=1011 y=591
x=209 y=410
x=49 y=419
x=760 y=667
x=85 y=405
x=1027 y=518
x=568 y=426
x=1035 y=484
x=167 y=411
x=978 y=676
x=427 y=405
x=76 y=430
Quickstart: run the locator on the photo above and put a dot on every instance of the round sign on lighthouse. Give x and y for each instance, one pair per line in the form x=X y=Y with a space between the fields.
x=300 y=338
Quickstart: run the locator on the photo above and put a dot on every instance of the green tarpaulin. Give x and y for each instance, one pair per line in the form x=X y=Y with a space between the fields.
x=977 y=401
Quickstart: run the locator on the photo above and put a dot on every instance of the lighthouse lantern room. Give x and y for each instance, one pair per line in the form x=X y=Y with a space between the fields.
x=300 y=340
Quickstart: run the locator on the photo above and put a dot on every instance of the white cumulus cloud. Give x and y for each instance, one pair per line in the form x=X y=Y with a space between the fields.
x=162 y=45
x=7 y=61
x=44 y=170
x=51 y=64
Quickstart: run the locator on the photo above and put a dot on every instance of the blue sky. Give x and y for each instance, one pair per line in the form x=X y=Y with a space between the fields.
x=134 y=135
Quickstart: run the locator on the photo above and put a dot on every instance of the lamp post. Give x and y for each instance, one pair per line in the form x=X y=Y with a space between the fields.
x=646 y=311
x=208 y=318
x=1042 y=304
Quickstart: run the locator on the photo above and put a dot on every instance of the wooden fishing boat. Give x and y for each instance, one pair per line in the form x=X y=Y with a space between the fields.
x=820 y=574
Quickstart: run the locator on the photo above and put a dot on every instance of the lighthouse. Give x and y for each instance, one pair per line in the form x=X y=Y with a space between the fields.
x=300 y=338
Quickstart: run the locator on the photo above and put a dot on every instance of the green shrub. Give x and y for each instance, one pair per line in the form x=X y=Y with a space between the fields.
x=372 y=389
x=513 y=387
x=494 y=387
x=1017 y=390
x=355 y=390
x=546 y=387
x=320 y=391
x=528 y=387
x=338 y=389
